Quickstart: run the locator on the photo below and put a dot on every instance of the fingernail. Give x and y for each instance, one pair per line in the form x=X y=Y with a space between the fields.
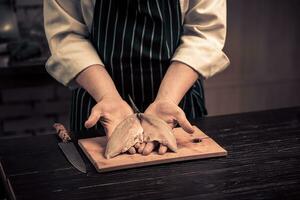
x=162 y=150
x=132 y=150
x=87 y=124
x=191 y=130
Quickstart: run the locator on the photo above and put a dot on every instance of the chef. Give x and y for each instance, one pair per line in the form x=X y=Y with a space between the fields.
x=156 y=51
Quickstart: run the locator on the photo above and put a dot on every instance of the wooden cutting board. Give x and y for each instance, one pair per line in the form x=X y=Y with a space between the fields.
x=188 y=149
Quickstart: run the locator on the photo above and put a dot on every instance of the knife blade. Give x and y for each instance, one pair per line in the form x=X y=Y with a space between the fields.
x=68 y=148
x=133 y=106
x=73 y=155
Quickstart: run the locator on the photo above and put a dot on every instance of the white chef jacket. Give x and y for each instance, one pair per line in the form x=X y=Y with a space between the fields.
x=68 y=24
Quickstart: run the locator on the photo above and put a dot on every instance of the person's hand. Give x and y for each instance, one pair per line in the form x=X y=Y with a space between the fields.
x=172 y=114
x=110 y=110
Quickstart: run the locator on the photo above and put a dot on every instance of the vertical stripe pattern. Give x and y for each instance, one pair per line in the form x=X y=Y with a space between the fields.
x=135 y=39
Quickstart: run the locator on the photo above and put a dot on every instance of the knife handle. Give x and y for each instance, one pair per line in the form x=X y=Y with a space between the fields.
x=62 y=132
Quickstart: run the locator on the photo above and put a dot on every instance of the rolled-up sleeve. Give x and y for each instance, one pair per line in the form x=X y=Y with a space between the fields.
x=203 y=38
x=68 y=39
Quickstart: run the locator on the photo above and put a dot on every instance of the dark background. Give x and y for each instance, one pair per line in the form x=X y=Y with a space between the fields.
x=262 y=44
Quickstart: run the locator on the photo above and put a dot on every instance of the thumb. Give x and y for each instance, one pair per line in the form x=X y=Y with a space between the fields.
x=183 y=122
x=93 y=119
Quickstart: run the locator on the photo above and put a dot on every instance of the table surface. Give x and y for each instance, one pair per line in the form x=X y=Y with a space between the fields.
x=262 y=162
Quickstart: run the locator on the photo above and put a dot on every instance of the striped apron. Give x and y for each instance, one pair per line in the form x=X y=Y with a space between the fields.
x=136 y=39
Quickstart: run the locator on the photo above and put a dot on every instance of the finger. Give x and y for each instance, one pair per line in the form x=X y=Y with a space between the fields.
x=141 y=148
x=132 y=150
x=184 y=123
x=92 y=120
x=162 y=149
x=148 y=148
x=137 y=145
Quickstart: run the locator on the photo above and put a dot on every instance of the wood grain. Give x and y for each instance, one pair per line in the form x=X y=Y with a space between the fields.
x=94 y=149
x=262 y=163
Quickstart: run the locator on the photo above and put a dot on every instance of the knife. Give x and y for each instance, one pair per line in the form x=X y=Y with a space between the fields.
x=133 y=106
x=68 y=148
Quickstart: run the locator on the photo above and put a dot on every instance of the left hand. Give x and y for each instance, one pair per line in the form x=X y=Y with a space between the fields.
x=172 y=114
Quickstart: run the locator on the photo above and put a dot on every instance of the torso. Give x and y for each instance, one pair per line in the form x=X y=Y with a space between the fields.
x=136 y=39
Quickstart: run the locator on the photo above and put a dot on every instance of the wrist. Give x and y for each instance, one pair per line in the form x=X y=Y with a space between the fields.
x=166 y=95
x=113 y=95
x=176 y=82
x=162 y=97
x=96 y=80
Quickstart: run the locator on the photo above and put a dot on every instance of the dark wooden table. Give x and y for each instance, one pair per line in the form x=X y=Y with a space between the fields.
x=263 y=163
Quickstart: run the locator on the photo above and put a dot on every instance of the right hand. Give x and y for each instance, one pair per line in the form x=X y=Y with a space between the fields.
x=110 y=110
x=171 y=113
